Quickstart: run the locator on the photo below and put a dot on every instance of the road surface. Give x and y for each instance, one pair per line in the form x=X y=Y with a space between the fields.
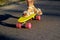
x=48 y=28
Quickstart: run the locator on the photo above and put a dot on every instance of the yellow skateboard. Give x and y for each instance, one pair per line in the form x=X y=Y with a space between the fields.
x=23 y=21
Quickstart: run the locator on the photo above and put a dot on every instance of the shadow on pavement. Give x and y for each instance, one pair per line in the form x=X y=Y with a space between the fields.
x=57 y=7
x=6 y=16
x=4 y=37
x=52 y=14
x=7 y=24
x=21 y=11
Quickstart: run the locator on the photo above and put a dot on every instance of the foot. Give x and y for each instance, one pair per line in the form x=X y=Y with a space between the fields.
x=32 y=10
x=28 y=12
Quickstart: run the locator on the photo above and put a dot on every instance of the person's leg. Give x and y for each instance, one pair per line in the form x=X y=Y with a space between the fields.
x=32 y=8
x=30 y=3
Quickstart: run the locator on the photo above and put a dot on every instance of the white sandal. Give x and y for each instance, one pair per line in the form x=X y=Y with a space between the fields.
x=26 y=13
x=39 y=12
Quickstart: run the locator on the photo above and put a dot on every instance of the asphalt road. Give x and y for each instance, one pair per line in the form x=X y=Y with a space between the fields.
x=48 y=28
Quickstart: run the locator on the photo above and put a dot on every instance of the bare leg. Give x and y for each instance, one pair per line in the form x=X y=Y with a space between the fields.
x=32 y=8
x=30 y=4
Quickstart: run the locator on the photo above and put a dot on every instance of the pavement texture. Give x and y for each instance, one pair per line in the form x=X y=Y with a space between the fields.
x=48 y=28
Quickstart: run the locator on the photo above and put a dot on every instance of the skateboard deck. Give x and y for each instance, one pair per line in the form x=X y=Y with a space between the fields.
x=24 y=19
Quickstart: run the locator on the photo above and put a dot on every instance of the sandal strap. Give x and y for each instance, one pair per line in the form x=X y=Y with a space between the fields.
x=28 y=12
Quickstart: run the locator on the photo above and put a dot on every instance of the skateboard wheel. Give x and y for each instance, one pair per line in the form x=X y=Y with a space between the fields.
x=19 y=25
x=28 y=25
x=38 y=17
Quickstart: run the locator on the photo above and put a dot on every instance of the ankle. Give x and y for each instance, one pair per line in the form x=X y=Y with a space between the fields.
x=31 y=7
